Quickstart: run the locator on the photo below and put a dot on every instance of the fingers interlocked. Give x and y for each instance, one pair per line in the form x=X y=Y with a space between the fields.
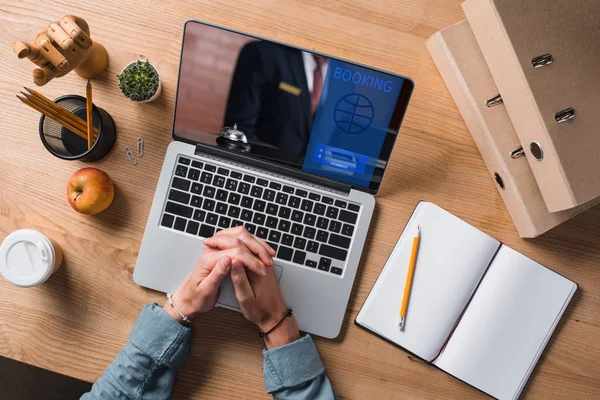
x=243 y=288
x=242 y=247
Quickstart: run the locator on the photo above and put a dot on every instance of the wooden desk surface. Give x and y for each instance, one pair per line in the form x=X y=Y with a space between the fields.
x=77 y=322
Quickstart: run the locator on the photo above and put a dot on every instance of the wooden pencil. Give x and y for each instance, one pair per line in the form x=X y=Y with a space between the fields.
x=409 y=279
x=88 y=109
x=57 y=109
x=48 y=111
x=40 y=99
x=55 y=117
x=60 y=112
x=77 y=121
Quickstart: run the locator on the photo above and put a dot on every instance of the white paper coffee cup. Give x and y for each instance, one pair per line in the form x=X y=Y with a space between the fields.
x=28 y=258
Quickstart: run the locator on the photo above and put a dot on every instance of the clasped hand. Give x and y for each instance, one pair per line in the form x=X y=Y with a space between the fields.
x=249 y=261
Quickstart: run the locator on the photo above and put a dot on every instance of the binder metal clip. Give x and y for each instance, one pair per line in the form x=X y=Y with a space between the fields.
x=536 y=151
x=542 y=61
x=494 y=101
x=564 y=115
x=518 y=152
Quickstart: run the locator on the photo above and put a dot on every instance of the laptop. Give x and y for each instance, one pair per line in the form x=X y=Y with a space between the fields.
x=289 y=143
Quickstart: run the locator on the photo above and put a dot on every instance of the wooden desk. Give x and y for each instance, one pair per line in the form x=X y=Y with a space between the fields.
x=77 y=322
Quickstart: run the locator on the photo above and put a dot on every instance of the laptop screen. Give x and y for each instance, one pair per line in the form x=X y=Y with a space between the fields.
x=308 y=111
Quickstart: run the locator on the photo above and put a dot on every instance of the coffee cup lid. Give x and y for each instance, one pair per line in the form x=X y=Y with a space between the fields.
x=26 y=258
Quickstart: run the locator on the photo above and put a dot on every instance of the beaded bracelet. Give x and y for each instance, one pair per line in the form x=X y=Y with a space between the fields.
x=172 y=303
x=287 y=315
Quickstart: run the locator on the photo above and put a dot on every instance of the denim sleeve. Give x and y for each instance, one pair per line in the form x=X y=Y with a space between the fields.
x=295 y=371
x=145 y=368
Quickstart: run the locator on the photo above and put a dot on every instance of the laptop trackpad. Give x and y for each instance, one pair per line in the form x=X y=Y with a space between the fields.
x=227 y=297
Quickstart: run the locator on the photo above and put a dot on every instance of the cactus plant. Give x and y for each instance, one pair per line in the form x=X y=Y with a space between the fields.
x=139 y=81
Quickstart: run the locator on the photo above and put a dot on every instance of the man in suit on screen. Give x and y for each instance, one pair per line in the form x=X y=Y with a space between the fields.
x=275 y=91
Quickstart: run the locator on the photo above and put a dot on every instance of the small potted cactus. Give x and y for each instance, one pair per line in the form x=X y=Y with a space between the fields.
x=140 y=82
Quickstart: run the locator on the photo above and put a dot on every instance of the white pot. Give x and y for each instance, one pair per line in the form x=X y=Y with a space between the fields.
x=156 y=94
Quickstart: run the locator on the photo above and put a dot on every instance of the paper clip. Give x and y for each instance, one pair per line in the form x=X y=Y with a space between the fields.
x=130 y=155
x=140 y=147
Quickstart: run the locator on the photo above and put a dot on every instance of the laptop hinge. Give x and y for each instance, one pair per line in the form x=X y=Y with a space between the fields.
x=275 y=168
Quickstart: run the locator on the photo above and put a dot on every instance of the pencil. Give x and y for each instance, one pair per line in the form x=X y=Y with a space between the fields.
x=53 y=116
x=88 y=110
x=59 y=112
x=42 y=100
x=409 y=279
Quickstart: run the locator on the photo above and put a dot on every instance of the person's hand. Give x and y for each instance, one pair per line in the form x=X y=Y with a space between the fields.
x=200 y=291
x=257 y=292
x=261 y=303
x=235 y=240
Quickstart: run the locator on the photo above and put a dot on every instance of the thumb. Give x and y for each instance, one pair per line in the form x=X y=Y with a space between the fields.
x=213 y=281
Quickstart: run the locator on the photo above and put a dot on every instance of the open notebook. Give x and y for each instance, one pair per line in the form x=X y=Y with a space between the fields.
x=478 y=310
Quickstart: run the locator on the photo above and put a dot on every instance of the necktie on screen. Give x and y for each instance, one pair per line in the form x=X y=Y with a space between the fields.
x=317 y=84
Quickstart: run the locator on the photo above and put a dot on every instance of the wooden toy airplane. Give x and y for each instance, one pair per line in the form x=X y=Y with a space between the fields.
x=65 y=45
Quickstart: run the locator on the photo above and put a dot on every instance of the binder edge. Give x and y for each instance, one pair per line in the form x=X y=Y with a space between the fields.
x=456 y=85
x=565 y=198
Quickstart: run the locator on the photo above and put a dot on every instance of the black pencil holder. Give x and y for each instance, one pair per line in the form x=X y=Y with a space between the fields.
x=65 y=144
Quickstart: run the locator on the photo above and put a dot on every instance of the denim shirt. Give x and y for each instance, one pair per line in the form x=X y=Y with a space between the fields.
x=158 y=345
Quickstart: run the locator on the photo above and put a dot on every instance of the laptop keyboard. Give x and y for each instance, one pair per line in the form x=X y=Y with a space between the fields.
x=304 y=227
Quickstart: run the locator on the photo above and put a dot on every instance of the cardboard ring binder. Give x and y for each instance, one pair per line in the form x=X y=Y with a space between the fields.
x=536 y=151
x=564 y=115
x=542 y=61
x=516 y=38
x=462 y=65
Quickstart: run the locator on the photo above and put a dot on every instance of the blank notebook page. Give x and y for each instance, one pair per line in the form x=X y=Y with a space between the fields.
x=507 y=325
x=452 y=258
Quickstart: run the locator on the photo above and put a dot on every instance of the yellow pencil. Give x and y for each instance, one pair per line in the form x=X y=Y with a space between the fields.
x=409 y=279
x=88 y=111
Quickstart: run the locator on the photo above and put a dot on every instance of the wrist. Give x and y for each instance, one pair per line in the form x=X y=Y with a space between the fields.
x=172 y=312
x=273 y=317
x=284 y=334
x=184 y=302
x=179 y=306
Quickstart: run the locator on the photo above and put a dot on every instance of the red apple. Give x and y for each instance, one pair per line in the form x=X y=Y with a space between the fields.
x=90 y=191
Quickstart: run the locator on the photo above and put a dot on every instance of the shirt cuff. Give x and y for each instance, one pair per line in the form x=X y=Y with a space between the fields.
x=158 y=335
x=291 y=365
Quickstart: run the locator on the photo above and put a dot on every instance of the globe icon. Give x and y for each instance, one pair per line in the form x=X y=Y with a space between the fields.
x=353 y=113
